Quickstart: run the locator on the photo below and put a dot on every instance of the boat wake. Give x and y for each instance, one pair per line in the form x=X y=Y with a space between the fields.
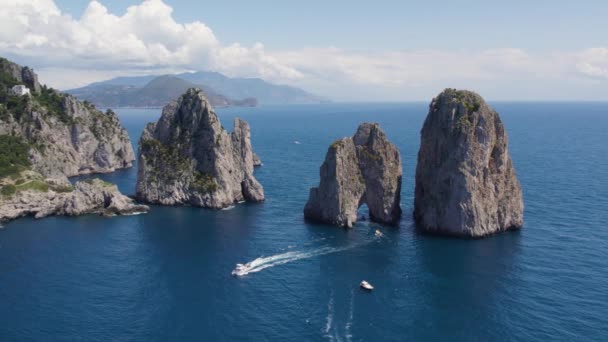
x=332 y=330
x=263 y=263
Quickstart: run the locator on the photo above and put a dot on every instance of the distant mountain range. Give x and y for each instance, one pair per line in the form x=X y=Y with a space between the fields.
x=222 y=91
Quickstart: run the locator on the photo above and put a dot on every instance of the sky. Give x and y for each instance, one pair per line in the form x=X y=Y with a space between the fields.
x=378 y=50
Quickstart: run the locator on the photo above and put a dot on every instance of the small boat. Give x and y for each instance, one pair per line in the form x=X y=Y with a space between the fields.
x=240 y=270
x=296 y=142
x=366 y=286
x=378 y=233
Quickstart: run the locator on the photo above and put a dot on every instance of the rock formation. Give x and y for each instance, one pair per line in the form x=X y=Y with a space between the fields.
x=187 y=157
x=66 y=136
x=256 y=160
x=39 y=197
x=465 y=180
x=47 y=136
x=21 y=75
x=363 y=169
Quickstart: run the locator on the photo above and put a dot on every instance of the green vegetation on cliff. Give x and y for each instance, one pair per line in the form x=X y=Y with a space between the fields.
x=470 y=101
x=52 y=100
x=203 y=183
x=14 y=155
x=170 y=156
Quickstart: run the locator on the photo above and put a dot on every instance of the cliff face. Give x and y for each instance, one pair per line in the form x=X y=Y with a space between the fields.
x=363 y=169
x=188 y=158
x=465 y=179
x=66 y=137
x=36 y=196
x=21 y=75
x=48 y=135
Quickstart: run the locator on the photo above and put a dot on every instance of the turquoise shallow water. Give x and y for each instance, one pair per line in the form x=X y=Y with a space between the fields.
x=166 y=275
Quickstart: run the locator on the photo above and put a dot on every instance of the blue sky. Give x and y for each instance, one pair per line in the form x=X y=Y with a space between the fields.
x=346 y=50
x=388 y=24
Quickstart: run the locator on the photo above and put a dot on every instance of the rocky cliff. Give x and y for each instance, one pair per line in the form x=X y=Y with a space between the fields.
x=187 y=157
x=66 y=136
x=33 y=195
x=465 y=179
x=20 y=75
x=47 y=136
x=364 y=169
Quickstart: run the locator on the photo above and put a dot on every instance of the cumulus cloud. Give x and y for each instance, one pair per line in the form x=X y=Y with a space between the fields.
x=146 y=39
x=146 y=36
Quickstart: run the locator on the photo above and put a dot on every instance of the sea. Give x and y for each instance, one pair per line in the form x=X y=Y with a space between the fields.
x=166 y=275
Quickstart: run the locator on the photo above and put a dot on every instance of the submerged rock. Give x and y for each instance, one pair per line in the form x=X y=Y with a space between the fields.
x=364 y=169
x=465 y=179
x=187 y=157
x=41 y=197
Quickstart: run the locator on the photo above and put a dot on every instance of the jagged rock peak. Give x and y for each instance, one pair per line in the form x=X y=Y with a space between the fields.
x=364 y=169
x=465 y=179
x=22 y=75
x=187 y=157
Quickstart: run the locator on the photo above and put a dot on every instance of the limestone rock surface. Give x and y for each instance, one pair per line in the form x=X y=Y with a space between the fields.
x=465 y=180
x=67 y=137
x=188 y=158
x=364 y=169
x=57 y=197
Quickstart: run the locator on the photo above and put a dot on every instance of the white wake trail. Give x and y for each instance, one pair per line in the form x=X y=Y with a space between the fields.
x=263 y=263
x=260 y=264
x=329 y=320
x=349 y=323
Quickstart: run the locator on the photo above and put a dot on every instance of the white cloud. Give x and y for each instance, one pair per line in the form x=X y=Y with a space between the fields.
x=146 y=39
x=594 y=63
x=146 y=36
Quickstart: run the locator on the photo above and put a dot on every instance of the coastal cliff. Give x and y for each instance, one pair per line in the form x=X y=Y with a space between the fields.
x=364 y=169
x=465 y=179
x=47 y=136
x=188 y=158
x=66 y=137
x=34 y=195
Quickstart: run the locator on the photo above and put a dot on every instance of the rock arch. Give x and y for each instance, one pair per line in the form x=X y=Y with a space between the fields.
x=364 y=169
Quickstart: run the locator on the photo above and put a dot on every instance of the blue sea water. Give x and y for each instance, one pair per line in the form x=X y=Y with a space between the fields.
x=165 y=276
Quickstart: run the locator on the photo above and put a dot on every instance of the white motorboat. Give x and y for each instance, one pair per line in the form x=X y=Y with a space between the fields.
x=240 y=270
x=366 y=286
x=378 y=233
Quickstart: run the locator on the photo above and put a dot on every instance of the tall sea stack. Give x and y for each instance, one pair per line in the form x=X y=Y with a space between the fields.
x=465 y=179
x=187 y=157
x=364 y=169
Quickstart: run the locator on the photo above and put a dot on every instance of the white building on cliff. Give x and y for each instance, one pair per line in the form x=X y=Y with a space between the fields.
x=20 y=90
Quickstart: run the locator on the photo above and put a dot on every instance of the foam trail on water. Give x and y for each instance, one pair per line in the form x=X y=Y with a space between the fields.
x=349 y=324
x=263 y=263
x=329 y=320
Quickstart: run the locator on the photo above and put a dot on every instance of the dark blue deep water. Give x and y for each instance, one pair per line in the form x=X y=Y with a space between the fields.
x=165 y=276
